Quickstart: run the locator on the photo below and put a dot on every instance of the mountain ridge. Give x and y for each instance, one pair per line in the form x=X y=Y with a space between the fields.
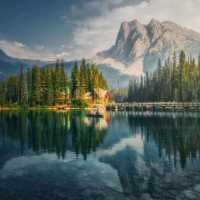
x=136 y=50
x=138 y=47
x=11 y=66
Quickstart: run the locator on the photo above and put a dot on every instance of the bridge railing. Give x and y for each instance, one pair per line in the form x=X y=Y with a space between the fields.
x=155 y=106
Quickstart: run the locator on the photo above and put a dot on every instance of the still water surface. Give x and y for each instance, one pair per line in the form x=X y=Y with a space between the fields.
x=69 y=156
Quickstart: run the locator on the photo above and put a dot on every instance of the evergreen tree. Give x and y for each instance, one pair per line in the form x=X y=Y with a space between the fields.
x=49 y=89
x=50 y=85
x=29 y=85
x=75 y=81
x=57 y=82
x=83 y=78
x=12 y=89
x=22 y=88
x=180 y=77
x=3 y=92
x=170 y=82
x=36 y=86
x=64 y=83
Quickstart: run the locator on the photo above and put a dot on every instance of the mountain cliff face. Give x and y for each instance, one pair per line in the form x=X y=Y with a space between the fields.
x=138 y=47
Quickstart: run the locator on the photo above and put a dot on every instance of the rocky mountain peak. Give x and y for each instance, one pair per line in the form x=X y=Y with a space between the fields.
x=155 y=30
x=124 y=31
x=127 y=28
x=154 y=22
x=140 y=46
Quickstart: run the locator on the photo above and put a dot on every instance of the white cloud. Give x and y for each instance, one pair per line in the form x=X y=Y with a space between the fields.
x=40 y=47
x=99 y=33
x=62 y=55
x=185 y=13
x=94 y=34
x=136 y=143
x=20 y=50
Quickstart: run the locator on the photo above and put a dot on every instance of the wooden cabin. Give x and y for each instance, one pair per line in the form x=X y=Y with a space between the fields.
x=103 y=95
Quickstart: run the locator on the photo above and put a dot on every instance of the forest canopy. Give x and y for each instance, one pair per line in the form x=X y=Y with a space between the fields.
x=51 y=85
x=178 y=79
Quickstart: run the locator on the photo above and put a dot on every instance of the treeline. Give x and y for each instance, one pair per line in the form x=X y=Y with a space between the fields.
x=177 y=80
x=51 y=85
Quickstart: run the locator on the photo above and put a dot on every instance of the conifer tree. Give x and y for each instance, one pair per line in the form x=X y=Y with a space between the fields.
x=57 y=82
x=29 y=85
x=174 y=81
x=64 y=82
x=3 y=93
x=75 y=81
x=36 y=86
x=83 y=78
x=50 y=85
x=12 y=89
x=22 y=88
x=49 y=90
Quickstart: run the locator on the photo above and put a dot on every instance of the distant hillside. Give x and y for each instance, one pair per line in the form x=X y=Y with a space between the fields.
x=114 y=77
x=10 y=66
x=136 y=50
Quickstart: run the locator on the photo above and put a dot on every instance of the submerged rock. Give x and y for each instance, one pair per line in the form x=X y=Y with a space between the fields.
x=54 y=179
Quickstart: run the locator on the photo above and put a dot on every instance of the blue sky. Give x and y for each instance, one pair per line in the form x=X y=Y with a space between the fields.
x=72 y=29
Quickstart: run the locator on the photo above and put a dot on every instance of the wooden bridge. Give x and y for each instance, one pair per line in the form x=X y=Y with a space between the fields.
x=155 y=106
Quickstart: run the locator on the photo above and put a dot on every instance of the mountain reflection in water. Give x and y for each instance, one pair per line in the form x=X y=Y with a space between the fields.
x=115 y=157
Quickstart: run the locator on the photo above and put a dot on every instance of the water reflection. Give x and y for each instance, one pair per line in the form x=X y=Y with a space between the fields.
x=116 y=157
x=177 y=138
x=52 y=132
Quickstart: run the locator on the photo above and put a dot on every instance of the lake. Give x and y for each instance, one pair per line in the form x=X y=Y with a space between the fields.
x=53 y=156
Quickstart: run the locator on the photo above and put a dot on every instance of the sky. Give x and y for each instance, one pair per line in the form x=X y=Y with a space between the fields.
x=74 y=29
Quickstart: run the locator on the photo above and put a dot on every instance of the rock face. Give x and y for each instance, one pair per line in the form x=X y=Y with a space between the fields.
x=138 y=47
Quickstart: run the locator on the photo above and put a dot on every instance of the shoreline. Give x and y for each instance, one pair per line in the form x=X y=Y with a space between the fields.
x=155 y=107
x=116 y=107
x=47 y=108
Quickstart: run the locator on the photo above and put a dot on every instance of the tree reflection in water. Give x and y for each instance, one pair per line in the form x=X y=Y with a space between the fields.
x=177 y=138
x=52 y=132
x=154 y=157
